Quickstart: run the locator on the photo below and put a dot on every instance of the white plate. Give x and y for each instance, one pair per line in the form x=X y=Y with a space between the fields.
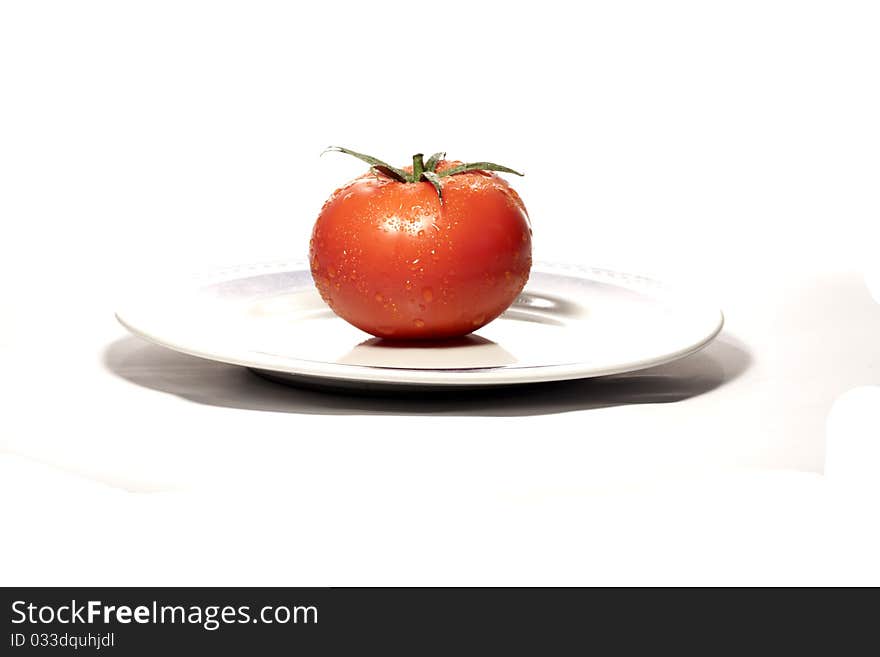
x=570 y=322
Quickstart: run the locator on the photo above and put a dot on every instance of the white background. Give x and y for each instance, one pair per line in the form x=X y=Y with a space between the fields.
x=733 y=146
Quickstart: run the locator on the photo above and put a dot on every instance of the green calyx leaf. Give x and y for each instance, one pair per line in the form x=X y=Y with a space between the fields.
x=477 y=166
x=433 y=161
x=434 y=179
x=422 y=171
x=390 y=171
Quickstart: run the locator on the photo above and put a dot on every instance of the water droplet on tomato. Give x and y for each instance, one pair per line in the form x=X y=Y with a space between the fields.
x=379 y=297
x=428 y=294
x=408 y=285
x=479 y=319
x=418 y=323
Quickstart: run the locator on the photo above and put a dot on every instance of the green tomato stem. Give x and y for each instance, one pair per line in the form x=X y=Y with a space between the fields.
x=418 y=167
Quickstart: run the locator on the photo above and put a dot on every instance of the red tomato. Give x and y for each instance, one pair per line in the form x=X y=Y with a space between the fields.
x=397 y=261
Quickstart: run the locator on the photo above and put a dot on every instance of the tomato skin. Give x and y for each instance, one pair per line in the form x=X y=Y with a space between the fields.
x=390 y=259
